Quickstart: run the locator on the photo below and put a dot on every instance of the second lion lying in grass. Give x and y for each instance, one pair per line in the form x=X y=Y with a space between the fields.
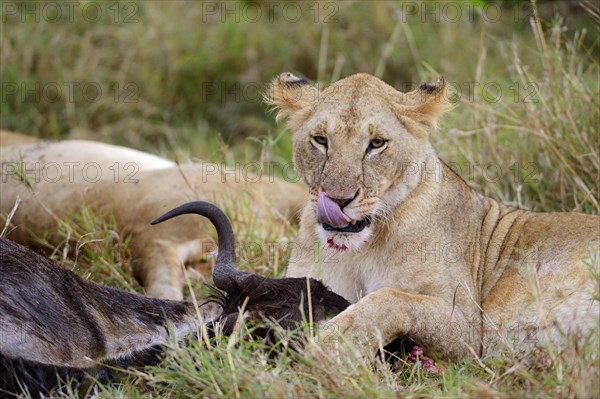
x=55 y=179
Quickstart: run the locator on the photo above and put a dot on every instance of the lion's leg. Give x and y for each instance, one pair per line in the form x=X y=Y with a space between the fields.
x=159 y=265
x=159 y=268
x=387 y=313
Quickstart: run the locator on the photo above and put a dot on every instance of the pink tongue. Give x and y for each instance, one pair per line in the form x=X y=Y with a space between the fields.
x=329 y=212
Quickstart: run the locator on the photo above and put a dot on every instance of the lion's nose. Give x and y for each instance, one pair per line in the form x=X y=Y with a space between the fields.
x=342 y=202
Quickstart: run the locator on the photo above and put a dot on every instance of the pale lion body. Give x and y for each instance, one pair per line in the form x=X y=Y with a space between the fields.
x=145 y=187
x=455 y=271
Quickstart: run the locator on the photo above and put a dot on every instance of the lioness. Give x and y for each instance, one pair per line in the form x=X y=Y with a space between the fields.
x=404 y=239
x=54 y=179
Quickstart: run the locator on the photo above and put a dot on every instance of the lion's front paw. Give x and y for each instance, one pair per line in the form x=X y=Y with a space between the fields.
x=349 y=331
x=344 y=322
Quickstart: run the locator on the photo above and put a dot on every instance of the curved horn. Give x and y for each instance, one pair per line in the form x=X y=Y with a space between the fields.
x=225 y=273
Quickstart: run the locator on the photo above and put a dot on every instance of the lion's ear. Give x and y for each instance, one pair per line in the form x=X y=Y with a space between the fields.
x=292 y=97
x=427 y=103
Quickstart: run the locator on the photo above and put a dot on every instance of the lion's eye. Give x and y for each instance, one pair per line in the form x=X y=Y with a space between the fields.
x=320 y=140
x=377 y=143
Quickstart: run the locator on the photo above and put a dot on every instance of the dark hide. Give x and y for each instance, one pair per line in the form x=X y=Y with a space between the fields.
x=50 y=318
x=18 y=376
x=283 y=301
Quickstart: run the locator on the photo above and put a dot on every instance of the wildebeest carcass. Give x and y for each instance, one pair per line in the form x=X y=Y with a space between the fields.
x=55 y=325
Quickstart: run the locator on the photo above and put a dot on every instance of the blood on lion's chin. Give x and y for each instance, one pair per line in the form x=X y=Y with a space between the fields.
x=344 y=241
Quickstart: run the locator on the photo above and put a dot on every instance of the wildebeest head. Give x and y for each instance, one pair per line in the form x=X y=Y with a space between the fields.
x=285 y=300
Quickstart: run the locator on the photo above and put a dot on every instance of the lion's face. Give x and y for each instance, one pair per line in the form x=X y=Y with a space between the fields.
x=358 y=145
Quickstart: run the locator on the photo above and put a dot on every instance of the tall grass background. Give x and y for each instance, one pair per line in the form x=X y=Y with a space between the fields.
x=184 y=80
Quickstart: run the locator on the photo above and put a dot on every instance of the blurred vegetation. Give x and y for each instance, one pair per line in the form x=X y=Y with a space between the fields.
x=184 y=78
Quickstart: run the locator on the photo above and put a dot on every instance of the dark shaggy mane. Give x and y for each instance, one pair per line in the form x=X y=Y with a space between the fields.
x=283 y=300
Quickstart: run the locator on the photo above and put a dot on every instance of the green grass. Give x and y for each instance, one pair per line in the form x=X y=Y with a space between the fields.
x=180 y=80
x=233 y=367
x=542 y=135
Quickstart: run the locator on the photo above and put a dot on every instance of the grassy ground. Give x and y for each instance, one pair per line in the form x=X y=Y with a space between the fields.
x=184 y=79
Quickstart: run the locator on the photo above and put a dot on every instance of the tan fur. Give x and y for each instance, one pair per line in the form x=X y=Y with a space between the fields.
x=136 y=197
x=454 y=270
x=11 y=138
